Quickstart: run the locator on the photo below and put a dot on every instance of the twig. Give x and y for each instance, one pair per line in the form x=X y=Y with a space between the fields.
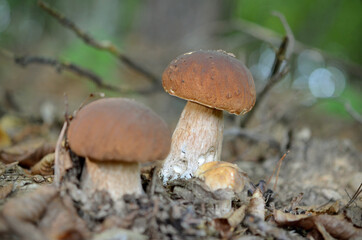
x=24 y=61
x=277 y=74
x=104 y=45
x=347 y=106
x=278 y=71
x=58 y=166
x=355 y=195
x=60 y=66
x=353 y=113
x=288 y=50
x=279 y=166
x=66 y=109
x=264 y=34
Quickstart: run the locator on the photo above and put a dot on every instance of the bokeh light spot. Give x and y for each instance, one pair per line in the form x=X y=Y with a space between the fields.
x=309 y=60
x=321 y=83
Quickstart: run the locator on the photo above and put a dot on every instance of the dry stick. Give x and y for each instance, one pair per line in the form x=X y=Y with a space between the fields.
x=279 y=164
x=349 y=109
x=71 y=67
x=105 y=45
x=57 y=161
x=83 y=103
x=24 y=61
x=277 y=72
x=275 y=77
x=264 y=34
x=347 y=106
x=66 y=109
x=353 y=113
x=355 y=195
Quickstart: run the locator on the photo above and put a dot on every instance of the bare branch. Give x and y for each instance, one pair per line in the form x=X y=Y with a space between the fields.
x=264 y=34
x=24 y=61
x=289 y=33
x=355 y=196
x=278 y=71
x=353 y=113
x=347 y=106
x=104 y=45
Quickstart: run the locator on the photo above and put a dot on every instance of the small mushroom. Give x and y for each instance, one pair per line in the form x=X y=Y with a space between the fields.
x=211 y=81
x=219 y=175
x=115 y=135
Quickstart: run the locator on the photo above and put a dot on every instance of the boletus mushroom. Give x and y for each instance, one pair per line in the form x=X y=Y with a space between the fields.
x=224 y=176
x=114 y=135
x=211 y=81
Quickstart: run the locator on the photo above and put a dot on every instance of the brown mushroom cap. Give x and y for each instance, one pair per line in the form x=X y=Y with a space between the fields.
x=118 y=129
x=222 y=175
x=212 y=78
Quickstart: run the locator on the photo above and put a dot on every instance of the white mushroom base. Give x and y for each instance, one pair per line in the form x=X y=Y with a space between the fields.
x=117 y=178
x=196 y=140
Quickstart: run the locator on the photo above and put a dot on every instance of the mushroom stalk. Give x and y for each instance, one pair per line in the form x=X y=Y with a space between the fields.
x=196 y=140
x=118 y=178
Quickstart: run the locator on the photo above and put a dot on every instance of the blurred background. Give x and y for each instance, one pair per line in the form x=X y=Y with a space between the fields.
x=323 y=83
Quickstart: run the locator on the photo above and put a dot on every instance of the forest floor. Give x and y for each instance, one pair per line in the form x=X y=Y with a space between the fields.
x=316 y=195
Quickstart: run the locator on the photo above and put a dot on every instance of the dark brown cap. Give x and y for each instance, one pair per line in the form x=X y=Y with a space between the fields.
x=119 y=129
x=212 y=78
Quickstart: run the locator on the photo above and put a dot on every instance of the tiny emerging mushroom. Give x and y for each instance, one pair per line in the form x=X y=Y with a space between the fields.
x=219 y=175
x=211 y=81
x=115 y=135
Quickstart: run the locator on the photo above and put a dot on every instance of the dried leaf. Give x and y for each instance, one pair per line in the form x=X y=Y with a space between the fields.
x=337 y=226
x=237 y=216
x=4 y=139
x=226 y=225
x=282 y=218
x=21 y=213
x=323 y=231
x=294 y=203
x=223 y=226
x=27 y=154
x=45 y=166
x=329 y=208
x=3 y=226
x=62 y=161
x=257 y=204
x=259 y=227
x=61 y=221
x=119 y=233
x=6 y=190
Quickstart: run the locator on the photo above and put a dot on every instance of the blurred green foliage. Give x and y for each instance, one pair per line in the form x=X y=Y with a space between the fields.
x=331 y=25
x=335 y=107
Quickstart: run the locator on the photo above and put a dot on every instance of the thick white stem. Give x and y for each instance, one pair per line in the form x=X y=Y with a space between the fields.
x=196 y=140
x=117 y=178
